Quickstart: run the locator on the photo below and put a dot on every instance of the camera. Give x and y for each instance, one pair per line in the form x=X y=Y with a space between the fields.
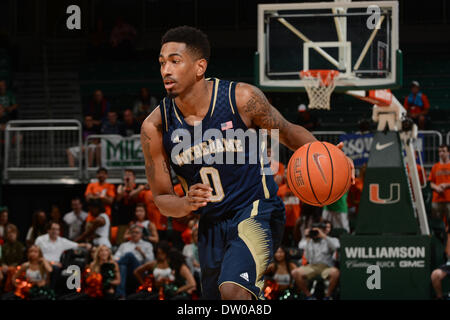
x=314 y=233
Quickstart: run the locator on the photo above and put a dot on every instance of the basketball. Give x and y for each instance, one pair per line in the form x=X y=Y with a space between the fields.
x=319 y=173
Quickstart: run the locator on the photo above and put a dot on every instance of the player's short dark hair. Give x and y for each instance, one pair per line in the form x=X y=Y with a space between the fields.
x=195 y=39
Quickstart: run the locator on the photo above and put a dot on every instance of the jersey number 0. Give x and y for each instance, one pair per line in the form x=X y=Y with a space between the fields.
x=212 y=174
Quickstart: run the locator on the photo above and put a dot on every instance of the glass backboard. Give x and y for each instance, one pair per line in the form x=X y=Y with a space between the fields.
x=359 y=39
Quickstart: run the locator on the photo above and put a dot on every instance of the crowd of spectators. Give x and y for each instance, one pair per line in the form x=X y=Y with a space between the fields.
x=128 y=250
x=124 y=246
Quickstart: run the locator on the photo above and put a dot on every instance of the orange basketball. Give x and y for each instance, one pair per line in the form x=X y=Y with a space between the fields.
x=319 y=173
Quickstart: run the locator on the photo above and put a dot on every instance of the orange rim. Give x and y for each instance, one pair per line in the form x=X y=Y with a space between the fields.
x=326 y=76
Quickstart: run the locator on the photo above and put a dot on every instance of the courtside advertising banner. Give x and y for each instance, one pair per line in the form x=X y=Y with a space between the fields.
x=118 y=152
x=357 y=147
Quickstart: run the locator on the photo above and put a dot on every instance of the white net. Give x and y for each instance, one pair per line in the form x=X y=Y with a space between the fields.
x=319 y=85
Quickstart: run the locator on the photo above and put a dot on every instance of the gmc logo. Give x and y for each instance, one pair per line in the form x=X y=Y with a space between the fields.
x=374 y=194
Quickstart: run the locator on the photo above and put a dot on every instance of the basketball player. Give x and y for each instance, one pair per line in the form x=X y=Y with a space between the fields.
x=241 y=218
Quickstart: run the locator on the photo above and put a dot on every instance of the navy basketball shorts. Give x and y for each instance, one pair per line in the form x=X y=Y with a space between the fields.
x=238 y=247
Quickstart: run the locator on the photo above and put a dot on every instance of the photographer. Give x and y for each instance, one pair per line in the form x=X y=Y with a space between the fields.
x=319 y=249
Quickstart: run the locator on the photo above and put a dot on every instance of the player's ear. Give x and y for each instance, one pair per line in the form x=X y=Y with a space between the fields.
x=202 y=64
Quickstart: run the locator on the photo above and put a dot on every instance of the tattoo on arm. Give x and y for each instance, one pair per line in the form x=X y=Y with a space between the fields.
x=149 y=163
x=262 y=113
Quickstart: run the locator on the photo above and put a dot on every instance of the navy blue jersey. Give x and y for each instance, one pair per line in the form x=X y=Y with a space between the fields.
x=213 y=152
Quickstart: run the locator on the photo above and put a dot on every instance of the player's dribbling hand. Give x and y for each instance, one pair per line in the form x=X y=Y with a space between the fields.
x=340 y=145
x=198 y=196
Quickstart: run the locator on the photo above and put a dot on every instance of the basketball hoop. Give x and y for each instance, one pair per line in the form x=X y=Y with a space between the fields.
x=319 y=85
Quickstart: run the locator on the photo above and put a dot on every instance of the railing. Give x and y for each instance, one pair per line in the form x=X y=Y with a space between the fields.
x=428 y=143
x=43 y=150
x=448 y=138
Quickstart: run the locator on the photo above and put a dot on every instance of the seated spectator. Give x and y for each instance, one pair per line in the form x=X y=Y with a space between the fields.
x=417 y=105
x=131 y=255
x=123 y=37
x=126 y=199
x=144 y=105
x=38 y=227
x=337 y=214
x=306 y=119
x=102 y=190
x=130 y=125
x=3 y=223
x=35 y=271
x=52 y=246
x=74 y=154
x=12 y=255
x=149 y=232
x=97 y=230
x=279 y=271
x=112 y=125
x=104 y=264
x=8 y=101
x=170 y=267
x=75 y=219
x=98 y=107
x=319 y=249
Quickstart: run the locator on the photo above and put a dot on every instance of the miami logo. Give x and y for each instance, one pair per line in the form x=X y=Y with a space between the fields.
x=374 y=194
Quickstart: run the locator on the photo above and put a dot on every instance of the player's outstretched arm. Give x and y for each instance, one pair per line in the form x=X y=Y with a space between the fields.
x=256 y=111
x=158 y=173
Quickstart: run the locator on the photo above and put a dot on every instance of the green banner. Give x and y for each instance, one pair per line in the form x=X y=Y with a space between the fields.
x=403 y=261
x=122 y=152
